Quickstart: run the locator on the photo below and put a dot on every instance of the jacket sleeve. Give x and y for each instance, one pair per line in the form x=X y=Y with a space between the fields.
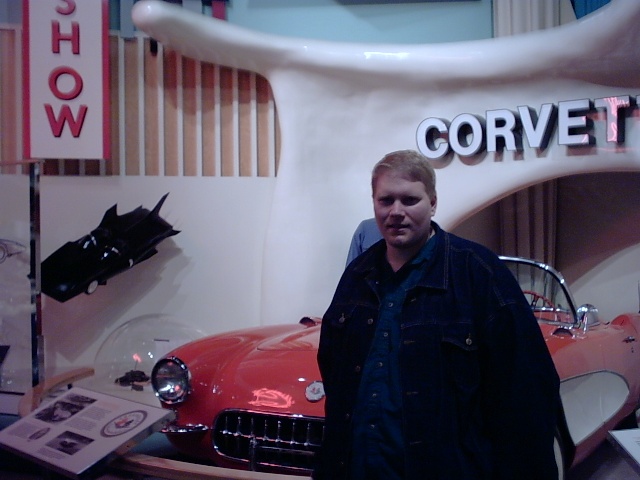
x=521 y=393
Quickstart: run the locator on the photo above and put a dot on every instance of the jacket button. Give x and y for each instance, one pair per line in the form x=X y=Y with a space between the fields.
x=341 y=319
x=358 y=368
x=370 y=321
x=347 y=416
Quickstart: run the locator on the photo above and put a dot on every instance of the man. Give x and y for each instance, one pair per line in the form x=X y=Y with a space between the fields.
x=433 y=364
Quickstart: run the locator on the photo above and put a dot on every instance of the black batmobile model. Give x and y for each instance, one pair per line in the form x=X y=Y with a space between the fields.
x=117 y=244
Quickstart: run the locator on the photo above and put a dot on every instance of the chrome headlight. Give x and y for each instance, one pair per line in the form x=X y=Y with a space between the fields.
x=170 y=380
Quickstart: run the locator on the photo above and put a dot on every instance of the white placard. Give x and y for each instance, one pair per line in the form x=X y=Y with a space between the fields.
x=66 y=79
x=627 y=442
x=80 y=431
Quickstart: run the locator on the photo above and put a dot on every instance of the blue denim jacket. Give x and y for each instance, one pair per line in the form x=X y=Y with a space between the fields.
x=479 y=388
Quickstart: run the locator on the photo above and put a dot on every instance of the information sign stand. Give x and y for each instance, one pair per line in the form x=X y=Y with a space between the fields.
x=79 y=432
x=627 y=442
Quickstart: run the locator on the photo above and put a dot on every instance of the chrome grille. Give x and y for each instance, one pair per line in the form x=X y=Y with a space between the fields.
x=264 y=441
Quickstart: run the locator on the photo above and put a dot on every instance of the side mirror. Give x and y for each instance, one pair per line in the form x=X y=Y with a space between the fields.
x=588 y=316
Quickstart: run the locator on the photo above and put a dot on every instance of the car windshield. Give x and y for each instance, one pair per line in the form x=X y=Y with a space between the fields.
x=96 y=239
x=544 y=289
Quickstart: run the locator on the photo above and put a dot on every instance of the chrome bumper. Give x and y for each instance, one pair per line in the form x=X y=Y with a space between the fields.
x=184 y=429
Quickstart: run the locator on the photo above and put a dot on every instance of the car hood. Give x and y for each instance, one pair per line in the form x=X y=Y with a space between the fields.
x=271 y=369
x=306 y=340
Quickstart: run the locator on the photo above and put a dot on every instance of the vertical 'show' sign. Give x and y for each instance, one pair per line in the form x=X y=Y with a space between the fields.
x=65 y=79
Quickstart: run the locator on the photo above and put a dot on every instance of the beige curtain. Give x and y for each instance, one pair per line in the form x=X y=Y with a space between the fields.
x=528 y=217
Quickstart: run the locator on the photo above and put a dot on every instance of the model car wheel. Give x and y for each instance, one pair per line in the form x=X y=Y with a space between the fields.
x=92 y=287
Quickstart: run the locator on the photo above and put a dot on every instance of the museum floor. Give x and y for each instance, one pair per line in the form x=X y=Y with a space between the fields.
x=604 y=464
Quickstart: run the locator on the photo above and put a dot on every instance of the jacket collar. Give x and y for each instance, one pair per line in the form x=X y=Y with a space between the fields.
x=436 y=271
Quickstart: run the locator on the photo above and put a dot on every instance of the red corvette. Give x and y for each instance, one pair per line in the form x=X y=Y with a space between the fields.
x=252 y=399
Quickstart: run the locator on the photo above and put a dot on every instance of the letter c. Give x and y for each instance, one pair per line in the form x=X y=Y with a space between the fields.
x=429 y=138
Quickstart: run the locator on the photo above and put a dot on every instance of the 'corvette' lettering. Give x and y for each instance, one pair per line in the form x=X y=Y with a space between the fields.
x=502 y=129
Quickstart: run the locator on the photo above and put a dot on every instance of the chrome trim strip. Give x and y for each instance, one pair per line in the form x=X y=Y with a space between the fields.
x=554 y=273
x=172 y=428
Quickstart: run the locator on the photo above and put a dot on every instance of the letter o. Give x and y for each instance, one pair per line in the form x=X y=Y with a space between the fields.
x=455 y=135
x=53 y=83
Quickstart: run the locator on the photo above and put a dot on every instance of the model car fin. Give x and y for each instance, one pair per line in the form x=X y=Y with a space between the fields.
x=158 y=206
x=156 y=211
x=109 y=216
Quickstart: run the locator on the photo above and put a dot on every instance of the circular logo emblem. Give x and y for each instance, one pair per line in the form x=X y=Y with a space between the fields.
x=124 y=423
x=314 y=391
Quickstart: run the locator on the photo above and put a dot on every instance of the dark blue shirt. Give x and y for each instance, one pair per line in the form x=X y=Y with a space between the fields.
x=378 y=441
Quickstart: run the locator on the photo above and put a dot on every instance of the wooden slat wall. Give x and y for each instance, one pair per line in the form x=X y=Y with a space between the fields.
x=226 y=79
x=190 y=106
x=10 y=99
x=112 y=167
x=210 y=108
x=170 y=115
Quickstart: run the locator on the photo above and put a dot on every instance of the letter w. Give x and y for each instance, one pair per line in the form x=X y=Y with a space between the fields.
x=65 y=116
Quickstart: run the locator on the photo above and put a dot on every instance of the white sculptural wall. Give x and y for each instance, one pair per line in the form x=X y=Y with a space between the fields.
x=342 y=106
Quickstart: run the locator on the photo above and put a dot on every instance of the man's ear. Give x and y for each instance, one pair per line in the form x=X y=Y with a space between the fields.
x=434 y=204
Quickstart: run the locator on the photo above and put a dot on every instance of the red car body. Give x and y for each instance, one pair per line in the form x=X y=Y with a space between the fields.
x=252 y=399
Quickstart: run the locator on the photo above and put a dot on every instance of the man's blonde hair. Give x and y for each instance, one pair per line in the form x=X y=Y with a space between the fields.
x=409 y=164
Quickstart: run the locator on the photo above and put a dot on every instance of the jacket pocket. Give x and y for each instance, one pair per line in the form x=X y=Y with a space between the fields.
x=338 y=317
x=337 y=328
x=347 y=331
x=460 y=354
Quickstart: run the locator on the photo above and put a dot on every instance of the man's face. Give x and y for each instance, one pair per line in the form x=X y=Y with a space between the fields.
x=403 y=211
